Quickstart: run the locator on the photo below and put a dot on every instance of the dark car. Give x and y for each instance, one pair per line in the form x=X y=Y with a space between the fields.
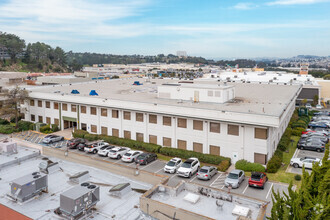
x=73 y=143
x=258 y=179
x=82 y=146
x=313 y=139
x=316 y=146
x=145 y=158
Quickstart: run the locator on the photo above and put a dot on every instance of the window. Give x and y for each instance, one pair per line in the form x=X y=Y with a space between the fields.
x=182 y=144
x=73 y=108
x=214 y=127
x=210 y=93
x=115 y=132
x=83 y=109
x=260 y=133
x=39 y=103
x=260 y=158
x=182 y=123
x=139 y=117
x=56 y=121
x=153 y=119
x=127 y=115
x=84 y=126
x=31 y=102
x=167 y=142
x=198 y=125
x=48 y=120
x=115 y=113
x=214 y=150
x=104 y=130
x=47 y=104
x=104 y=112
x=40 y=119
x=64 y=107
x=127 y=134
x=93 y=110
x=198 y=147
x=139 y=137
x=233 y=130
x=33 y=117
x=55 y=105
x=152 y=139
x=167 y=121
x=94 y=128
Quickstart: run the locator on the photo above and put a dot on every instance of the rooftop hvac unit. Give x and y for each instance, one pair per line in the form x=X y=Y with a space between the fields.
x=8 y=147
x=79 y=200
x=27 y=187
x=48 y=167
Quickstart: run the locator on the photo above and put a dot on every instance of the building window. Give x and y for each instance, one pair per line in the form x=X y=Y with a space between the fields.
x=115 y=132
x=139 y=117
x=127 y=134
x=40 y=119
x=233 y=130
x=260 y=158
x=93 y=110
x=48 y=120
x=167 y=142
x=93 y=128
x=127 y=115
x=83 y=109
x=47 y=104
x=214 y=127
x=153 y=139
x=153 y=119
x=73 y=108
x=33 y=117
x=104 y=130
x=210 y=93
x=56 y=121
x=182 y=144
x=198 y=147
x=64 y=107
x=182 y=123
x=39 y=103
x=198 y=125
x=55 y=105
x=104 y=112
x=84 y=126
x=260 y=133
x=139 y=137
x=115 y=113
x=31 y=102
x=214 y=150
x=167 y=121
x=217 y=93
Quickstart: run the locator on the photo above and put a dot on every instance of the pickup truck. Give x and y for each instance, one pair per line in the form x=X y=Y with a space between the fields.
x=95 y=147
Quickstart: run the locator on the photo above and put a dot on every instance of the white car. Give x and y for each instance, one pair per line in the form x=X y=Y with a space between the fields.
x=307 y=161
x=118 y=152
x=104 y=151
x=131 y=155
x=189 y=167
x=308 y=105
x=173 y=165
x=95 y=147
x=319 y=106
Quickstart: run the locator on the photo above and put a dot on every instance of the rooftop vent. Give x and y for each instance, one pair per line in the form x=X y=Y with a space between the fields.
x=75 y=91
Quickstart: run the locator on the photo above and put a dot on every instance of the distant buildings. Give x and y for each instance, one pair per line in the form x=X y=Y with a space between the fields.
x=181 y=53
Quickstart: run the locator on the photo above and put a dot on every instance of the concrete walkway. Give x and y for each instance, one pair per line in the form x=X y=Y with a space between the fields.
x=66 y=133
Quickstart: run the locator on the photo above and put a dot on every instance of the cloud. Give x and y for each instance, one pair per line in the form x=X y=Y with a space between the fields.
x=295 y=2
x=245 y=6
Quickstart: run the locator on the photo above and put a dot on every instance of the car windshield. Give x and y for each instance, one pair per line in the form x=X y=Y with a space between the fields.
x=128 y=154
x=186 y=165
x=170 y=163
x=113 y=151
x=233 y=176
x=255 y=177
x=203 y=171
x=141 y=157
x=102 y=148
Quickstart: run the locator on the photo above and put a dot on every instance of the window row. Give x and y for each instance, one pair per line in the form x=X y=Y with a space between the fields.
x=41 y=120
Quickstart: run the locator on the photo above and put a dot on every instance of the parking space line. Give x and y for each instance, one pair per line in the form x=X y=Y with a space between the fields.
x=147 y=165
x=269 y=190
x=193 y=178
x=245 y=188
x=222 y=186
x=159 y=170
x=216 y=179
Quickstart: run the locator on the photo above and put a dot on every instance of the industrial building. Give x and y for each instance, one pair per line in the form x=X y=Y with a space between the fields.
x=236 y=120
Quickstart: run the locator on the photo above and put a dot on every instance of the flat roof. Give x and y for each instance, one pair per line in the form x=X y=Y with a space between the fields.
x=262 y=99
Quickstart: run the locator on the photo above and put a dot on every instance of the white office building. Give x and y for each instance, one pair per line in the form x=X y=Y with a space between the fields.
x=236 y=120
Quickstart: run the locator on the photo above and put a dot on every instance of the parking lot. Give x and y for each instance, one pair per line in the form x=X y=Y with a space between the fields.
x=304 y=153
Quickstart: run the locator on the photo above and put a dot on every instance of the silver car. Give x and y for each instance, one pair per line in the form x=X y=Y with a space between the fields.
x=235 y=178
x=52 y=139
x=207 y=172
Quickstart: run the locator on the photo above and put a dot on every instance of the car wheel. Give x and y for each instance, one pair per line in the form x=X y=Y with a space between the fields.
x=94 y=151
x=62 y=139
x=189 y=175
x=118 y=157
x=318 y=150
x=301 y=148
x=295 y=165
x=263 y=186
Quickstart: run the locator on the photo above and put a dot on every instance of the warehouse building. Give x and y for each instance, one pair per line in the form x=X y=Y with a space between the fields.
x=236 y=120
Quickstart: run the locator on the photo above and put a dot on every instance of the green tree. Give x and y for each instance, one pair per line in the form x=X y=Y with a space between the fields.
x=13 y=44
x=315 y=100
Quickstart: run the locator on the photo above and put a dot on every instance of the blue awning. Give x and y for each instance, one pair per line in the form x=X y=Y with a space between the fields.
x=93 y=92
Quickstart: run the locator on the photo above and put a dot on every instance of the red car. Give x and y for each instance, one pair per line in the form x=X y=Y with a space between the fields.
x=258 y=179
x=307 y=131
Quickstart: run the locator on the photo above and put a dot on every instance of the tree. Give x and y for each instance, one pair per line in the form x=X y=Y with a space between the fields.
x=13 y=99
x=13 y=44
x=315 y=100
x=304 y=102
x=311 y=201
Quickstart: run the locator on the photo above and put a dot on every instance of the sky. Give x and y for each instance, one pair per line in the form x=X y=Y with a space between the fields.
x=207 y=28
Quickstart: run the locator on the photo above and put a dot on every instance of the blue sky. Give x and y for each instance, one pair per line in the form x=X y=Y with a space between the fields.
x=209 y=28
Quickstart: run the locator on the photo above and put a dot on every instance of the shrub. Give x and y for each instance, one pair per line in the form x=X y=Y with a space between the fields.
x=224 y=165
x=13 y=120
x=24 y=125
x=55 y=127
x=274 y=164
x=4 y=121
x=45 y=129
x=91 y=137
x=79 y=133
x=248 y=166
x=7 y=129
x=297 y=177
x=32 y=127
x=297 y=131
